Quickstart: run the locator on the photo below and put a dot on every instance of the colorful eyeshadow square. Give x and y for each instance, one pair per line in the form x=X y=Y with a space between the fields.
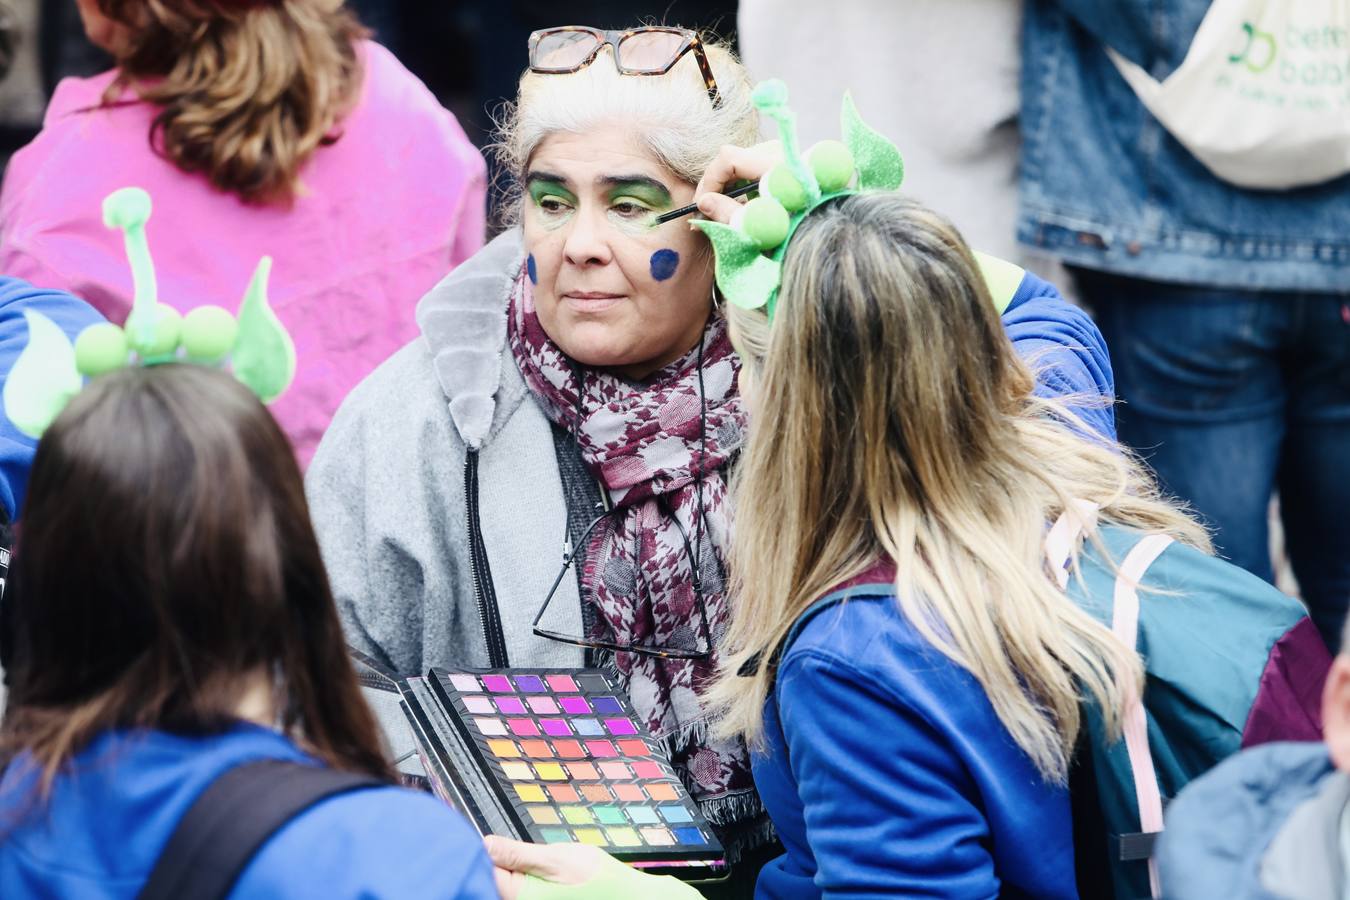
x=530 y=684
x=504 y=749
x=536 y=749
x=676 y=815
x=593 y=684
x=550 y=771
x=498 y=684
x=607 y=705
x=635 y=748
x=523 y=727
x=510 y=705
x=530 y=793
x=492 y=727
x=600 y=748
x=620 y=726
x=629 y=793
x=623 y=837
x=642 y=815
x=465 y=683
x=690 y=836
x=517 y=771
x=582 y=771
x=576 y=815
x=591 y=836
x=614 y=771
x=543 y=815
x=563 y=836
x=563 y=793
x=568 y=749
x=556 y=727
x=609 y=815
x=657 y=837
x=587 y=726
x=479 y=705
x=563 y=684
x=576 y=706
x=662 y=791
x=648 y=770
x=596 y=793
x=544 y=706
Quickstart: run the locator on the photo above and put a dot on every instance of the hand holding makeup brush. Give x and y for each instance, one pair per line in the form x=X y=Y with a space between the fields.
x=733 y=164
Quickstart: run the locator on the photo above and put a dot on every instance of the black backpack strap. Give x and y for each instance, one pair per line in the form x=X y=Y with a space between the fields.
x=233 y=818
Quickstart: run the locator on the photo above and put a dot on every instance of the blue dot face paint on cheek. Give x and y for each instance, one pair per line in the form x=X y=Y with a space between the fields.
x=664 y=264
x=530 y=270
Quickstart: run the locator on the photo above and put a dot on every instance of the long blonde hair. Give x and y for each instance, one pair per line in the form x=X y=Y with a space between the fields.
x=247 y=92
x=891 y=417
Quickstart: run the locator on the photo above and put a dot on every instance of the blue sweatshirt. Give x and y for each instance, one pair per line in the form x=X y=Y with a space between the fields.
x=72 y=315
x=109 y=818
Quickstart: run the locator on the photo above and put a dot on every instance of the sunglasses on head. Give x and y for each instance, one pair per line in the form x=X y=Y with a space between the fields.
x=650 y=50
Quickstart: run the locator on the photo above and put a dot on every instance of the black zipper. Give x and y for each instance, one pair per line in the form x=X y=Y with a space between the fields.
x=483 y=591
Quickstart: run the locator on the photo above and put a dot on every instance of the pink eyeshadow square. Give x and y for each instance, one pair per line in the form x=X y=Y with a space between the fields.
x=498 y=684
x=510 y=705
x=523 y=727
x=480 y=705
x=562 y=683
x=556 y=727
x=577 y=706
x=543 y=705
x=620 y=726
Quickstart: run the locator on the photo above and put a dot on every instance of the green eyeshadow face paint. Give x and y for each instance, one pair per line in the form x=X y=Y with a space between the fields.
x=633 y=205
x=553 y=203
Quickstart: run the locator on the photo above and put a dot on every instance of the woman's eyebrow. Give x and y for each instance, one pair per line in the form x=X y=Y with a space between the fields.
x=613 y=181
x=536 y=175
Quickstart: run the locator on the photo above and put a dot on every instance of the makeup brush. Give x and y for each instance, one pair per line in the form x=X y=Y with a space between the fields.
x=693 y=207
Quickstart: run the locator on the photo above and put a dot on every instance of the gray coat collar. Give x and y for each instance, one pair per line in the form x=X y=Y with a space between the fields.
x=1304 y=862
x=463 y=320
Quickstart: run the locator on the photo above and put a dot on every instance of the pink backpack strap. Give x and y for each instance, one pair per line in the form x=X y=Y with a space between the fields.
x=1079 y=518
x=1125 y=625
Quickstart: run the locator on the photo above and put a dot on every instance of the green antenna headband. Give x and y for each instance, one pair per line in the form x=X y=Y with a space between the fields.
x=50 y=370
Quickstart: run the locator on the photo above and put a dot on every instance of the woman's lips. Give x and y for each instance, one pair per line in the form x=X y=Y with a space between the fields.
x=590 y=301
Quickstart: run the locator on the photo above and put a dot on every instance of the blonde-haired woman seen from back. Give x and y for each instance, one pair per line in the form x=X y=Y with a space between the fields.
x=259 y=127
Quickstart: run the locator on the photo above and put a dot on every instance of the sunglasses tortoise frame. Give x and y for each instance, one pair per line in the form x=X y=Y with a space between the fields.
x=614 y=39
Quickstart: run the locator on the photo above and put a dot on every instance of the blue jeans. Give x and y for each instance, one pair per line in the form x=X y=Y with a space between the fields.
x=1230 y=395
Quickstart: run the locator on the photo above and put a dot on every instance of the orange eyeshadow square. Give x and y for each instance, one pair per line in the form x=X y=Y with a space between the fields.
x=505 y=749
x=596 y=793
x=583 y=771
x=629 y=792
x=563 y=793
x=536 y=749
x=661 y=791
x=634 y=748
x=569 y=749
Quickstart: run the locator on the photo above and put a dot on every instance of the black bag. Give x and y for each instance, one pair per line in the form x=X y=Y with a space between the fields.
x=233 y=818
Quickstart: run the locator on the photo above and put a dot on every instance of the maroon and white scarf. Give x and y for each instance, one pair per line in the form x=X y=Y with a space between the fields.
x=642 y=441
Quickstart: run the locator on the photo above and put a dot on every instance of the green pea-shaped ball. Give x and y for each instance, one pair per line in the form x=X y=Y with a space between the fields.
x=765 y=221
x=101 y=348
x=209 y=333
x=780 y=184
x=164 y=335
x=832 y=164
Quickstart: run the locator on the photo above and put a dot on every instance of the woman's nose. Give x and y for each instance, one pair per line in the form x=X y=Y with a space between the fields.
x=588 y=239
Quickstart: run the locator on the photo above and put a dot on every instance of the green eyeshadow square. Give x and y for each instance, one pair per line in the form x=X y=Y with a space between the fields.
x=609 y=815
x=577 y=815
x=556 y=835
x=643 y=815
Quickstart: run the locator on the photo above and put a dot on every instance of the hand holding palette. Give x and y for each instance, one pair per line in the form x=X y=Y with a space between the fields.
x=557 y=757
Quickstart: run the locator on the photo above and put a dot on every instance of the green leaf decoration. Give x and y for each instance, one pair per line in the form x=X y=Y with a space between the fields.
x=264 y=357
x=129 y=209
x=43 y=378
x=1001 y=277
x=746 y=277
x=880 y=166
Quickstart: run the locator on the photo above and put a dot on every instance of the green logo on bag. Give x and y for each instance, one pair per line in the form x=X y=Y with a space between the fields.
x=1260 y=46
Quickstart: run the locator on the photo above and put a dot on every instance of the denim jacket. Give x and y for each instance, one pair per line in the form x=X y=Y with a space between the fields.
x=1104 y=186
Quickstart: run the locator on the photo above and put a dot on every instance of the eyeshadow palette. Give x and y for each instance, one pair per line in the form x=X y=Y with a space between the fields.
x=556 y=756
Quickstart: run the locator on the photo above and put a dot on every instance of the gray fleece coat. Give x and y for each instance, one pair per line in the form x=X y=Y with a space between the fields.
x=387 y=488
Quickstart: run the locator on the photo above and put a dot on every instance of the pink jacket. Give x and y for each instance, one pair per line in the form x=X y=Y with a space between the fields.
x=384 y=213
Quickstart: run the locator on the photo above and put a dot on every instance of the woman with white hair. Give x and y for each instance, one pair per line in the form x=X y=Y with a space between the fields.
x=574 y=388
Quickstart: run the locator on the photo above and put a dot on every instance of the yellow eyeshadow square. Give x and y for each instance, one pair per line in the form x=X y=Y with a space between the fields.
x=590 y=836
x=530 y=793
x=517 y=771
x=504 y=749
x=550 y=771
x=574 y=815
x=544 y=815
x=623 y=837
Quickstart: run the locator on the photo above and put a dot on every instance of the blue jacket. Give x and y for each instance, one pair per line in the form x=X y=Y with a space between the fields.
x=887 y=772
x=72 y=315
x=109 y=818
x=1104 y=186
x=1261 y=825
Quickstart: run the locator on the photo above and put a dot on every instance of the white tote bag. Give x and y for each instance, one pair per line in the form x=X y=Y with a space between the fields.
x=1263 y=95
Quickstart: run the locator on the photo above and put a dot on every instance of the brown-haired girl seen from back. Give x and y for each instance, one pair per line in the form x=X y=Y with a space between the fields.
x=168 y=619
